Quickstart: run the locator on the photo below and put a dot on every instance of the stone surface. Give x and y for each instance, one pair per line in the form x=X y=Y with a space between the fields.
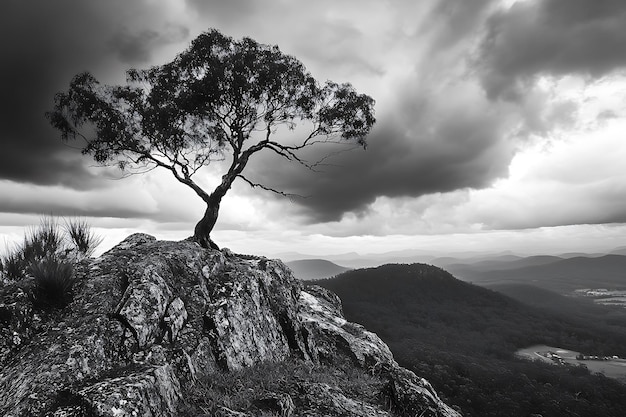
x=413 y=395
x=150 y=318
x=322 y=317
x=152 y=392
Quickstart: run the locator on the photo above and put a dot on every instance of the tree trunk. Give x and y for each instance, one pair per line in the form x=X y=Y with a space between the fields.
x=202 y=231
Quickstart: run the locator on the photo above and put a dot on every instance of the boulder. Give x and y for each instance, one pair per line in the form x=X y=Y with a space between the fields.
x=150 y=319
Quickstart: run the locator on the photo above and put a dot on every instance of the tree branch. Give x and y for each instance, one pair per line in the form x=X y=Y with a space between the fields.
x=252 y=184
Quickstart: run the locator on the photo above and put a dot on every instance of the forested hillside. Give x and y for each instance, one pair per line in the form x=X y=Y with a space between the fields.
x=462 y=338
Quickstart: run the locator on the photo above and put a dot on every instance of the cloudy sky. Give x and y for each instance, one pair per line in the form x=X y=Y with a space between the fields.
x=501 y=124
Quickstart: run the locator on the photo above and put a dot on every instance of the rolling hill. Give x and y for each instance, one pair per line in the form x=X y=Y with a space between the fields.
x=308 y=269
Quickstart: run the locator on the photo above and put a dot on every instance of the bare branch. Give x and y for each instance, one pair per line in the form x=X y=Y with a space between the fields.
x=252 y=184
x=321 y=162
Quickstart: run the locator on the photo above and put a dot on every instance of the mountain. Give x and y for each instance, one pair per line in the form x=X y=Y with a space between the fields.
x=447 y=261
x=308 y=269
x=464 y=338
x=562 y=276
x=157 y=328
x=473 y=270
x=619 y=251
x=294 y=256
x=500 y=264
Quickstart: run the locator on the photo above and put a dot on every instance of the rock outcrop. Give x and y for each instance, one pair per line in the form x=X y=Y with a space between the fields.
x=151 y=320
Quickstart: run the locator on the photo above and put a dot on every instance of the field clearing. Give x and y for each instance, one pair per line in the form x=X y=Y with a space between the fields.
x=613 y=368
x=604 y=296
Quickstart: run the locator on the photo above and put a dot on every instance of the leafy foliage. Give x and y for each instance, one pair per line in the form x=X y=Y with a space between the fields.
x=53 y=285
x=220 y=99
x=462 y=338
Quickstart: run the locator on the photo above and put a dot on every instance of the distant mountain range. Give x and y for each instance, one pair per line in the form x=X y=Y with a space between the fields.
x=308 y=269
x=409 y=256
x=548 y=272
x=563 y=273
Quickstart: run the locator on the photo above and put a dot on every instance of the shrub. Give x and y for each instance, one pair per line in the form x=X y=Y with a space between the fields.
x=53 y=285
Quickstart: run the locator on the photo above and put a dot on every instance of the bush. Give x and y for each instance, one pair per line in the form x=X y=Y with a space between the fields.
x=53 y=285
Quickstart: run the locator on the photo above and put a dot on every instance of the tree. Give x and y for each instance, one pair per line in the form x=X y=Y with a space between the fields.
x=221 y=99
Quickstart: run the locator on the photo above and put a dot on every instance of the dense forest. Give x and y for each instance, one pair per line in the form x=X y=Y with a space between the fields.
x=462 y=338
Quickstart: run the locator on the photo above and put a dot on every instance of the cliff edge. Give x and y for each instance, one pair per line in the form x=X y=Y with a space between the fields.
x=154 y=323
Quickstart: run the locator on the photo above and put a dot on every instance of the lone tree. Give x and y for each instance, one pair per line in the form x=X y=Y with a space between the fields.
x=221 y=99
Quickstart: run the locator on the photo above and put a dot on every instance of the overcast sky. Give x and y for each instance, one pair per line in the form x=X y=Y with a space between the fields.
x=501 y=124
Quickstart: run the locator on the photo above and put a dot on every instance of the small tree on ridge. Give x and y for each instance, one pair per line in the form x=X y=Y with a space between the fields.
x=219 y=99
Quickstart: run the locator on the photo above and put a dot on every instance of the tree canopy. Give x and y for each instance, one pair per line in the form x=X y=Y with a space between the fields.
x=221 y=99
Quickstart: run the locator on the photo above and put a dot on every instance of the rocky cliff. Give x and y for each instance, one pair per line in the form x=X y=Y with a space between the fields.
x=161 y=328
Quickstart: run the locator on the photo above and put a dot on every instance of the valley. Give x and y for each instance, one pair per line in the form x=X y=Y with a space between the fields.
x=604 y=296
x=609 y=366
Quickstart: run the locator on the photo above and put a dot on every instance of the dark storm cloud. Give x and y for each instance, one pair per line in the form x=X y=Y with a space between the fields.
x=43 y=45
x=554 y=37
x=456 y=149
x=36 y=47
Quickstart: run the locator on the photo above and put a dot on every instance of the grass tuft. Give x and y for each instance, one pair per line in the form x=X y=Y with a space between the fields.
x=49 y=240
x=81 y=237
x=53 y=285
x=13 y=265
x=42 y=241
